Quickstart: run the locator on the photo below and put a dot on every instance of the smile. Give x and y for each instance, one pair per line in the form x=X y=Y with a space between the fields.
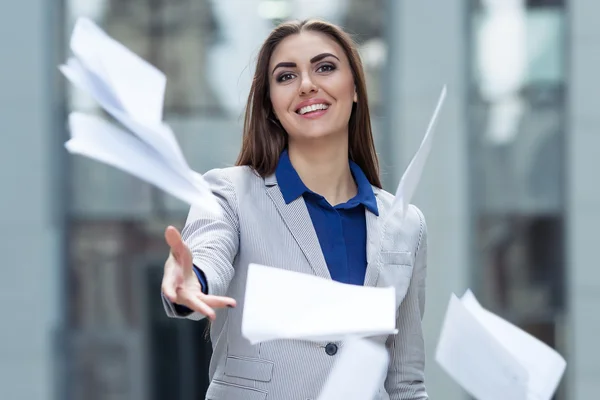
x=313 y=108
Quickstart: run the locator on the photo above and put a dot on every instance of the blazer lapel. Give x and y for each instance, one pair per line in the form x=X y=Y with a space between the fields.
x=297 y=219
x=374 y=237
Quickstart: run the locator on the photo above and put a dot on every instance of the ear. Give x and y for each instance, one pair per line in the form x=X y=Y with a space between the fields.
x=355 y=95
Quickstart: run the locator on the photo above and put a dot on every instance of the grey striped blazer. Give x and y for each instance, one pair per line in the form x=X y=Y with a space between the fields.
x=257 y=226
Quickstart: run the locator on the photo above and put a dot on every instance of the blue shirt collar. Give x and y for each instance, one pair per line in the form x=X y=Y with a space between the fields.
x=292 y=187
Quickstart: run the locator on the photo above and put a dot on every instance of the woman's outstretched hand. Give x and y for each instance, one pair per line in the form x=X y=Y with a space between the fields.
x=181 y=285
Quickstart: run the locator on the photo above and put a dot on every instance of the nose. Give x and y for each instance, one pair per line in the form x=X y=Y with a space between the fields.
x=307 y=85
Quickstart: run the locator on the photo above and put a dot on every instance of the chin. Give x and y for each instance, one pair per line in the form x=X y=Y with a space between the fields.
x=316 y=134
x=315 y=130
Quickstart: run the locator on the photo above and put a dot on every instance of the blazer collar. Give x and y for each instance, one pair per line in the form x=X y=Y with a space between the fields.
x=297 y=219
x=292 y=187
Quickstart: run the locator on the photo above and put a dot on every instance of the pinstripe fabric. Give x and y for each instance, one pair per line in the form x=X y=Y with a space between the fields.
x=258 y=227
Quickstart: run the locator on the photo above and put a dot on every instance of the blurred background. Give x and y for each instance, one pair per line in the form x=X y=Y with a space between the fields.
x=509 y=190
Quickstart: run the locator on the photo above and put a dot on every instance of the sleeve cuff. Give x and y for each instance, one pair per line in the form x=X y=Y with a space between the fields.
x=202 y=279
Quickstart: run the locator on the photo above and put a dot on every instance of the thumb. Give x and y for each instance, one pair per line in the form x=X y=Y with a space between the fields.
x=178 y=248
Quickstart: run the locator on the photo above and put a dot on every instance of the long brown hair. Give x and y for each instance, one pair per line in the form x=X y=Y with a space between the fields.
x=264 y=138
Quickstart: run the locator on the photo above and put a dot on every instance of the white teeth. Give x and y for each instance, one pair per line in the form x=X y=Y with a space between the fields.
x=313 y=107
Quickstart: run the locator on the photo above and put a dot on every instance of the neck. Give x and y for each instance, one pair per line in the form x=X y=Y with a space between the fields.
x=324 y=169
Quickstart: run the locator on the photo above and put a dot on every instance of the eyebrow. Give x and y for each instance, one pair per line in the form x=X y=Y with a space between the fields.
x=313 y=60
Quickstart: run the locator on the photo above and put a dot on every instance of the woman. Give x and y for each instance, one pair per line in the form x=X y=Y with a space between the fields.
x=305 y=196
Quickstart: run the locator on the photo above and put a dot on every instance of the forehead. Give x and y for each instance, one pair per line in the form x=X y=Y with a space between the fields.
x=303 y=46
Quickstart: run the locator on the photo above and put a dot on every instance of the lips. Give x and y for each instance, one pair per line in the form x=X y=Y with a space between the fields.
x=312 y=105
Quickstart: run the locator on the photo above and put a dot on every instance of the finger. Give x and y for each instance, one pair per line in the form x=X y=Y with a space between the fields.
x=169 y=292
x=173 y=237
x=178 y=248
x=219 y=301
x=168 y=286
x=194 y=303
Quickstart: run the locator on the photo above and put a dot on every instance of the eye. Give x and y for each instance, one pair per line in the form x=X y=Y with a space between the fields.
x=326 y=68
x=286 y=76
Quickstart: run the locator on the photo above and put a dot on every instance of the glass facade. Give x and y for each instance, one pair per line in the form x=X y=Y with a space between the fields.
x=122 y=346
x=517 y=110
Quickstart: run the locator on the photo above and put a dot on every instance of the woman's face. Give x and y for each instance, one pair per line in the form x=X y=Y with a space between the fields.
x=311 y=86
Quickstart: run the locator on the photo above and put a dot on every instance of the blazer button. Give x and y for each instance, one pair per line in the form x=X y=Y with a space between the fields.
x=331 y=349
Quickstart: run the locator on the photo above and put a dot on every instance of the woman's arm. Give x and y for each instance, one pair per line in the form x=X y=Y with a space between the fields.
x=213 y=242
x=406 y=374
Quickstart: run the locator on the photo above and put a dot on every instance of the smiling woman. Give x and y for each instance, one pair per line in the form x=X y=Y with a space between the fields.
x=301 y=64
x=305 y=195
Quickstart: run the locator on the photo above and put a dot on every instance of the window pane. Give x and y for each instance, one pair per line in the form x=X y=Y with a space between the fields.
x=517 y=119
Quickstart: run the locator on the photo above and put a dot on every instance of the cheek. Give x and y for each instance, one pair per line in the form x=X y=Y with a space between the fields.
x=279 y=100
x=350 y=92
x=343 y=90
x=274 y=97
x=346 y=97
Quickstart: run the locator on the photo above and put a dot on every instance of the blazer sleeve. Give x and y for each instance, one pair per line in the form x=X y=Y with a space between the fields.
x=406 y=373
x=213 y=241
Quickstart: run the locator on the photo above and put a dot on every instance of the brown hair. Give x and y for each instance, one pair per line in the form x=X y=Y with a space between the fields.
x=264 y=138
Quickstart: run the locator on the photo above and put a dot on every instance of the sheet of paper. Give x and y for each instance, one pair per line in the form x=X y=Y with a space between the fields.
x=95 y=138
x=476 y=360
x=358 y=373
x=138 y=87
x=282 y=304
x=544 y=365
x=158 y=135
x=411 y=177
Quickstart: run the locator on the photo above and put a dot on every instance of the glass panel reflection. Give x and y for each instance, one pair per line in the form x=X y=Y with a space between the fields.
x=517 y=118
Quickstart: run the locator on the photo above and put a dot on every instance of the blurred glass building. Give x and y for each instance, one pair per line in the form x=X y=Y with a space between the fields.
x=509 y=190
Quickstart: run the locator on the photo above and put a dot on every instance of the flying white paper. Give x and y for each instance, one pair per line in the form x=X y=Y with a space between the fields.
x=544 y=365
x=132 y=91
x=138 y=86
x=411 y=177
x=95 y=138
x=493 y=359
x=358 y=373
x=282 y=304
x=157 y=135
